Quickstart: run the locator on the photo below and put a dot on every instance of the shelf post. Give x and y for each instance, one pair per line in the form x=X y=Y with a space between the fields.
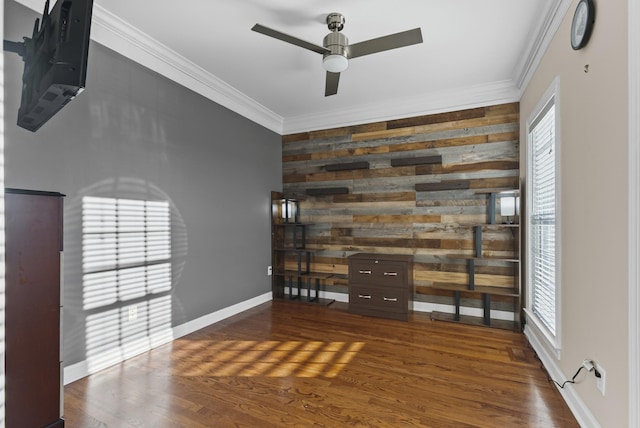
x=492 y=208
x=478 y=241
x=487 y=308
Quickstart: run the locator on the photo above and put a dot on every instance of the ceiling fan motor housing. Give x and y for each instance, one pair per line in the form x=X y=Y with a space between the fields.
x=336 y=43
x=336 y=60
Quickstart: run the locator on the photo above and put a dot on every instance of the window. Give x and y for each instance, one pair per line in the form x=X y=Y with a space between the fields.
x=542 y=220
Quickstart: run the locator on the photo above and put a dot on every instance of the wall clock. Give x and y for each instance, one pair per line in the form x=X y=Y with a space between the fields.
x=582 y=24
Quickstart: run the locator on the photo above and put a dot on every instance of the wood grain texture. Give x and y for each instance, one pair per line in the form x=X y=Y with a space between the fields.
x=288 y=364
x=475 y=149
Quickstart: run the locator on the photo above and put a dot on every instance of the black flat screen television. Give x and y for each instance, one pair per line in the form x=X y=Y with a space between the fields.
x=55 y=61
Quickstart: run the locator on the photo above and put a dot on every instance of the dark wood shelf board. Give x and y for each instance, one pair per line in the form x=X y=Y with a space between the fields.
x=490 y=259
x=479 y=289
x=303 y=299
x=326 y=191
x=295 y=250
x=493 y=225
x=497 y=191
x=479 y=321
x=443 y=185
x=422 y=160
x=310 y=275
x=346 y=166
x=33 y=192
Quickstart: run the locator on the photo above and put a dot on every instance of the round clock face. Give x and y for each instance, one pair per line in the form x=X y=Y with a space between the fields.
x=582 y=24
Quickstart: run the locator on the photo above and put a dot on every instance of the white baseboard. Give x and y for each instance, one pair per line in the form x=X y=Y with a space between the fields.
x=573 y=400
x=92 y=365
x=75 y=372
x=207 y=320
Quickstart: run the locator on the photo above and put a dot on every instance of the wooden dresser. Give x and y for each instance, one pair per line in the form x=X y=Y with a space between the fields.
x=33 y=364
x=381 y=285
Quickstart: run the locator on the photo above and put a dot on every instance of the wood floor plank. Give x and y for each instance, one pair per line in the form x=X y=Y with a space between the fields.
x=291 y=364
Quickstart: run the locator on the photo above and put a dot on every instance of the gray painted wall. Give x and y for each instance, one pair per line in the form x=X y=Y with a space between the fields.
x=134 y=134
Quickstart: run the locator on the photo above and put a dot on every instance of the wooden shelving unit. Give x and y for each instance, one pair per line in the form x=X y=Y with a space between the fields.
x=486 y=292
x=288 y=237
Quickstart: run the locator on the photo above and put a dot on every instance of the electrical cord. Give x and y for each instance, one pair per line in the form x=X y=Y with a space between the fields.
x=587 y=365
x=573 y=379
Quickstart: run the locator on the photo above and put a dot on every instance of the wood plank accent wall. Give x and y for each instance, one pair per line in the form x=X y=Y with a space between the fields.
x=418 y=195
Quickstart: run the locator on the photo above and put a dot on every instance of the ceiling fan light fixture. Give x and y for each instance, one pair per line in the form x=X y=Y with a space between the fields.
x=336 y=50
x=335 y=63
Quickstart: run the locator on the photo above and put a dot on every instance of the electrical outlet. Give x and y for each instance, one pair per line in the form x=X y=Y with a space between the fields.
x=600 y=380
x=133 y=313
x=588 y=364
x=269 y=270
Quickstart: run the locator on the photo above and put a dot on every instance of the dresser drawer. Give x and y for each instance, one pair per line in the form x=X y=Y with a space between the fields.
x=382 y=272
x=378 y=301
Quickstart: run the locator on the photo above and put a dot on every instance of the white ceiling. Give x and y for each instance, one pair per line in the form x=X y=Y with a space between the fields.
x=474 y=53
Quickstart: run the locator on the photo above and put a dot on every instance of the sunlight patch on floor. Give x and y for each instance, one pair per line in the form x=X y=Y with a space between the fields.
x=268 y=358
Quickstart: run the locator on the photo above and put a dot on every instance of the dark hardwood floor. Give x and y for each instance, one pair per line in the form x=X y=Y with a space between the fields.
x=294 y=364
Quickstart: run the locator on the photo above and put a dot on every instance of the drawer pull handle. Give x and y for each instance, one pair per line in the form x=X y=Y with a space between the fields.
x=364 y=272
x=364 y=296
x=390 y=299
x=391 y=274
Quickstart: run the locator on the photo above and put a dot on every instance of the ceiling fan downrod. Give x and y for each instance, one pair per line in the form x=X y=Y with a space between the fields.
x=335 y=21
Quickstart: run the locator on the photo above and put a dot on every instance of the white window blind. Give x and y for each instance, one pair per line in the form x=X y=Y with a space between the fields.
x=542 y=219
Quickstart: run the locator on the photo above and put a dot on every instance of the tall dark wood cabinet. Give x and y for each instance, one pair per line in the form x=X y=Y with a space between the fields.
x=33 y=223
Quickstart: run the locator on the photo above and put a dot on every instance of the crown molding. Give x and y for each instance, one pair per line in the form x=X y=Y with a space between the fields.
x=114 y=33
x=424 y=104
x=118 y=35
x=540 y=41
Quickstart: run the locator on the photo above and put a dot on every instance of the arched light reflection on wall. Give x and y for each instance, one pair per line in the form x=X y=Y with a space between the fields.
x=126 y=271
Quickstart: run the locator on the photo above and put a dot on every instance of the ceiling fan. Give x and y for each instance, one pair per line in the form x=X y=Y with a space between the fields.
x=336 y=50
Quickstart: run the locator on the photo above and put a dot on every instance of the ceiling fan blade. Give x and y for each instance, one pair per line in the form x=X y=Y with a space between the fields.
x=331 y=85
x=289 y=39
x=385 y=43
